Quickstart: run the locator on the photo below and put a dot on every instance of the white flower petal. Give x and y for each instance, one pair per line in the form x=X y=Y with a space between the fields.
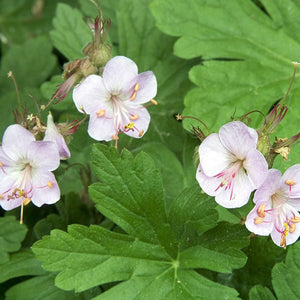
x=147 y=87
x=269 y=187
x=16 y=141
x=45 y=189
x=292 y=174
x=264 y=228
x=101 y=129
x=6 y=188
x=140 y=124
x=214 y=157
x=90 y=94
x=119 y=74
x=43 y=155
x=239 y=193
x=257 y=167
x=238 y=138
x=208 y=184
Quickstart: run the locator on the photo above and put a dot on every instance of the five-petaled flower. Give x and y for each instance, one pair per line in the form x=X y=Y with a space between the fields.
x=25 y=169
x=114 y=100
x=277 y=203
x=230 y=165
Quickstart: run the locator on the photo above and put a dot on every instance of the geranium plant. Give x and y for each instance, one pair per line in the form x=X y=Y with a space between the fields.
x=108 y=193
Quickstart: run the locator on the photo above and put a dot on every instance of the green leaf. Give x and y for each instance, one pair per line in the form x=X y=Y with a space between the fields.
x=12 y=233
x=43 y=288
x=170 y=169
x=156 y=259
x=259 y=292
x=137 y=207
x=285 y=275
x=258 y=63
x=24 y=19
x=262 y=254
x=31 y=63
x=192 y=212
x=188 y=285
x=70 y=34
x=22 y=263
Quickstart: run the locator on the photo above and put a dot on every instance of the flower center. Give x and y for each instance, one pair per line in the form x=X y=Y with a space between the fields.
x=227 y=177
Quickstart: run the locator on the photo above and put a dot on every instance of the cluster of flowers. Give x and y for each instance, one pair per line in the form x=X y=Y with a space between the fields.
x=231 y=168
x=114 y=102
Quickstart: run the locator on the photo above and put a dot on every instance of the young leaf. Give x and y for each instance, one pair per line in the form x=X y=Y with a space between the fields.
x=285 y=275
x=156 y=259
x=12 y=233
x=70 y=33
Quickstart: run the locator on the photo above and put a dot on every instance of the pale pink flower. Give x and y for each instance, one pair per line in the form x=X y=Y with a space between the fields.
x=277 y=203
x=230 y=165
x=25 y=169
x=114 y=100
x=52 y=135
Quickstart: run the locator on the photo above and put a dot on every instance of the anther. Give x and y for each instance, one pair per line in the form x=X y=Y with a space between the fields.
x=1 y=164
x=133 y=96
x=154 y=101
x=292 y=228
x=224 y=182
x=295 y=219
x=115 y=137
x=1 y=197
x=129 y=126
x=283 y=242
x=286 y=231
x=261 y=211
x=258 y=220
x=26 y=201
x=290 y=182
x=100 y=113
x=50 y=184
x=134 y=117
x=137 y=87
x=141 y=133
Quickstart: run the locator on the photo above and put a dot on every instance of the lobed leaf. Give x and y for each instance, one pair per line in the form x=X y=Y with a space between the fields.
x=285 y=275
x=70 y=34
x=248 y=53
x=12 y=233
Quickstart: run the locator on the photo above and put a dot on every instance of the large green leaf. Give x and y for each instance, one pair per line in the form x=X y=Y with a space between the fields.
x=259 y=292
x=43 y=288
x=285 y=275
x=156 y=258
x=170 y=168
x=137 y=207
x=22 y=263
x=12 y=233
x=257 y=45
x=21 y=20
x=70 y=33
x=31 y=63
